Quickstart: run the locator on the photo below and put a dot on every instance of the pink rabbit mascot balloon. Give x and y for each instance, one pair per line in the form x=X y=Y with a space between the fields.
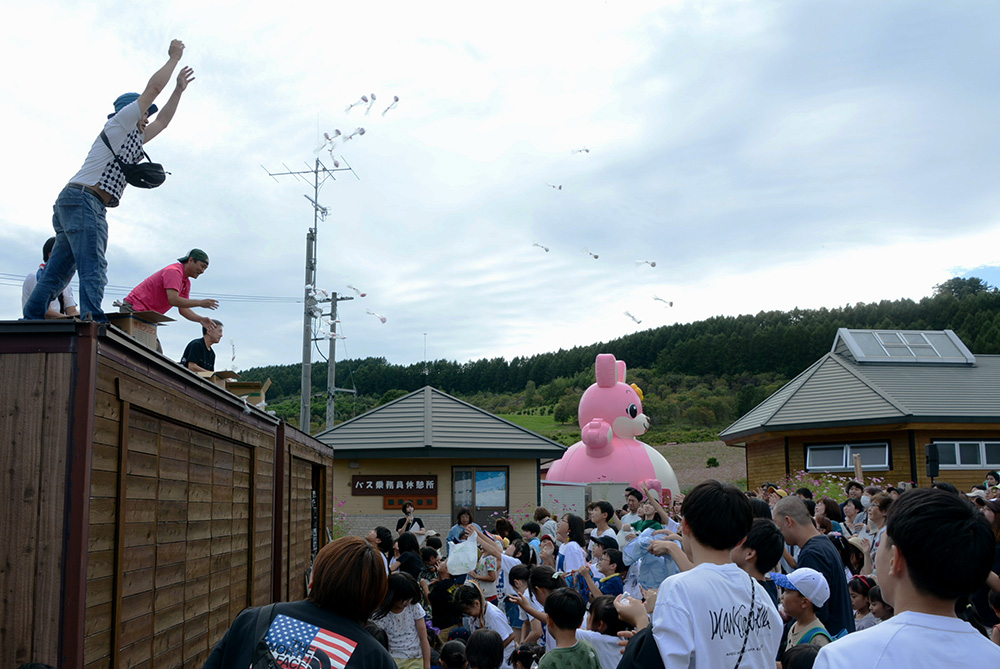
x=610 y=420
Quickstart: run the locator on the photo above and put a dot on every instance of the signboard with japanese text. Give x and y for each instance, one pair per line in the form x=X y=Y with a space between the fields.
x=387 y=484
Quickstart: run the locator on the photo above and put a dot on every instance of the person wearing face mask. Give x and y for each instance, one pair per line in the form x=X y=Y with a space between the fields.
x=877 y=511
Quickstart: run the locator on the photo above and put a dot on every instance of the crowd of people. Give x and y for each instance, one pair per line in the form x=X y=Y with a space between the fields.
x=882 y=578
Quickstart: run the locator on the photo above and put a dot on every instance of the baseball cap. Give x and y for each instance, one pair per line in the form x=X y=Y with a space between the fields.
x=809 y=582
x=991 y=504
x=981 y=494
x=606 y=542
x=126 y=99
x=195 y=254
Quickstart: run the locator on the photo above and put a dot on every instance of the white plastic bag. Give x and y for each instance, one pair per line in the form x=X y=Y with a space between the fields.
x=462 y=558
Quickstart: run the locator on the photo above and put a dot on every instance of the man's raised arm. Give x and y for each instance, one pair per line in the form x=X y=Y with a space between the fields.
x=161 y=78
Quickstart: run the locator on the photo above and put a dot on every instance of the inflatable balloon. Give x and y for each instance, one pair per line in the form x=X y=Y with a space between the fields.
x=610 y=419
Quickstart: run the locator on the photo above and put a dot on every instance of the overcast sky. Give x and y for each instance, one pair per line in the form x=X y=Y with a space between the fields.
x=764 y=155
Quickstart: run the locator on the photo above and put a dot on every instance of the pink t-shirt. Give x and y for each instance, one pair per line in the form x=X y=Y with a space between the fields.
x=151 y=294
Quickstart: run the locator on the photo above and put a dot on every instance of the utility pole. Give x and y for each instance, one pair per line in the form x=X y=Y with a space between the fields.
x=331 y=369
x=320 y=174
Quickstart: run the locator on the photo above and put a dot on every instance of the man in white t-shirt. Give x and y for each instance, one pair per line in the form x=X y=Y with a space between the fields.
x=715 y=614
x=922 y=571
x=64 y=306
x=79 y=214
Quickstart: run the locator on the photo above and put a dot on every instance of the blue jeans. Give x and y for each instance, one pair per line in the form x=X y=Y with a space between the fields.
x=81 y=241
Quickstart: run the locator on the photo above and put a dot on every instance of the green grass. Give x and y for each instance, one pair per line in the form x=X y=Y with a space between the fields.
x=541 y=424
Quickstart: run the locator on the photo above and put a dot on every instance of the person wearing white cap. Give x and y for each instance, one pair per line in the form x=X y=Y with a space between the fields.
x=805 y=590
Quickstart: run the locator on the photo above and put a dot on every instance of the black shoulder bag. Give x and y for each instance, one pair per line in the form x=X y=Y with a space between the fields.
x=140 y=175
x=262 y=657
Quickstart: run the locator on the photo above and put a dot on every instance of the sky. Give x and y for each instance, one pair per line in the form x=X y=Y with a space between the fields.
x=765 y=155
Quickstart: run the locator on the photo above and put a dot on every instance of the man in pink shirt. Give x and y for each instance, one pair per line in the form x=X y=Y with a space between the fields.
x=171 y=287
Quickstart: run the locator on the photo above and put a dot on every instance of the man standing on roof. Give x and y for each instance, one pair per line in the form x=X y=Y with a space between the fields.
x=79 y=214
x=171 y=287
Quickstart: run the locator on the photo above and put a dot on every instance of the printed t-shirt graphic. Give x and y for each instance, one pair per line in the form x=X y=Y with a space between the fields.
x=294 y=644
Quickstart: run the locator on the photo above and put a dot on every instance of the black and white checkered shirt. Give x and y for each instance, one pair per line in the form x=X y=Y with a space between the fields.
x=112 y=180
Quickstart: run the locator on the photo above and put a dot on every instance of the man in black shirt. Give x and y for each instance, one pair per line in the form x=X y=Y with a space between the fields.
x=199 y=356
x=817 y=552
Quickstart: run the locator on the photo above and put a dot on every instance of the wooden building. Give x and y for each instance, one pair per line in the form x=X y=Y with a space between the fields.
x=886 y=395
x=441 y=453
x=144 y=507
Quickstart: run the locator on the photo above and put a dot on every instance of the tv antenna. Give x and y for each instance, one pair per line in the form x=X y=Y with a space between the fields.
x=320 y=175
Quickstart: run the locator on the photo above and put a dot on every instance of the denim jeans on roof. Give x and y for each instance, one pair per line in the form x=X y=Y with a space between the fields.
x=81 y=227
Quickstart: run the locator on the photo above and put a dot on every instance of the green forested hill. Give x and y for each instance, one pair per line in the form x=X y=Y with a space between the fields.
x=696 y=376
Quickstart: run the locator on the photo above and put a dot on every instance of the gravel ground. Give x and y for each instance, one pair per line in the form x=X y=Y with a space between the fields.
x=688 y=461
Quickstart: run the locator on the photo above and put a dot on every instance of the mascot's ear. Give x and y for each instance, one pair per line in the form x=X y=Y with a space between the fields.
x=621 y=371
x=605 y=370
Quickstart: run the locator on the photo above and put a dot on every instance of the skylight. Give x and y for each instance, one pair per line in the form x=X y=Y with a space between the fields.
x=911 y=346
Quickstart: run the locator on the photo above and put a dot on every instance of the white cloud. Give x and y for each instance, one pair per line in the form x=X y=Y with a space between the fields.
x=767 y=156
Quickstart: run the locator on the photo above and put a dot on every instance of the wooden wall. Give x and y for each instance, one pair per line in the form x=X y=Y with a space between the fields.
x=306 y=468
x=766 y=457
x=34 y=403
x=166 y=484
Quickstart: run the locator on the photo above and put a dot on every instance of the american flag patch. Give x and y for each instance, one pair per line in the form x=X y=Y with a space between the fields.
x=296 y=644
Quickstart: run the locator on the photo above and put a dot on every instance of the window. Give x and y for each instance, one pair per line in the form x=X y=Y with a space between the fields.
x=968 y=454
x=840 y=457
x=482 y=490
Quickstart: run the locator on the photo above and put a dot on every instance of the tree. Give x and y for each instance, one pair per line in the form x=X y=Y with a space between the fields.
x=959 y=288
x=566 y=408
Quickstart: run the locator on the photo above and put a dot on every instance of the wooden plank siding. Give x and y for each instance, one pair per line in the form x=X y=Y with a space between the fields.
x=766 y=456
x=180 y=511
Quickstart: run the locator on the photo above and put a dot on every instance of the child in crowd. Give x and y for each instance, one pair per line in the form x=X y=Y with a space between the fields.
x=530 y=531
x=530 y=628
x=565 y=609
x=604 y=626
x=381 y=540
x=428 y=572
x=402 y=618
x=434 y=542
x=526 y=656
x=860 y=587
x=408 y=555
x=484 y=615
x=800 y=657
x=805 y=590
x=441 y=598
x=547 y=551
x=541 y=583
x=572 y=551
x=880 y=609
x=485 y=650
x=453 y=655
x=485 y=575
x=760 y=553
x=612 y=568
